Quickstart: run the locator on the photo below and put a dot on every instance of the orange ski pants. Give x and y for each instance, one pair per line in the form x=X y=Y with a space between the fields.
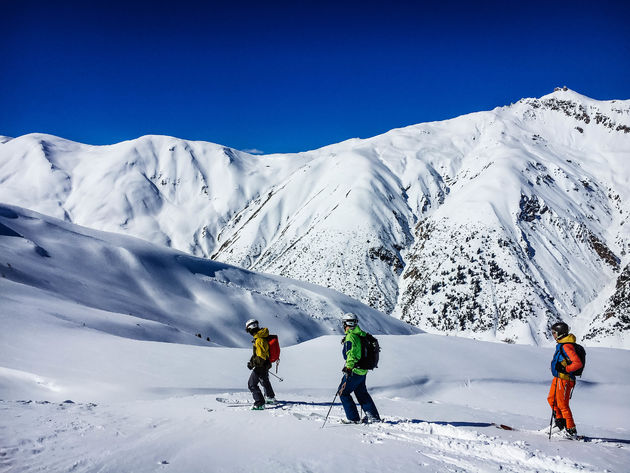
x=559 y=395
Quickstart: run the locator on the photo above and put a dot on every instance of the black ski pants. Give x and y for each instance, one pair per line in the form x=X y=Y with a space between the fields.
x=260 y=375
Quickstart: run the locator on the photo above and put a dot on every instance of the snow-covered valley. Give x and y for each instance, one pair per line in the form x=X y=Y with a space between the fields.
x=101 y=369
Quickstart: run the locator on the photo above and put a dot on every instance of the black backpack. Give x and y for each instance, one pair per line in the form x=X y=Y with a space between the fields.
x=369 y=352
x=581 y=353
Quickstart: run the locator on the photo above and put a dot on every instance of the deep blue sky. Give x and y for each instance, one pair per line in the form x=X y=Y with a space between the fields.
x=295 y=75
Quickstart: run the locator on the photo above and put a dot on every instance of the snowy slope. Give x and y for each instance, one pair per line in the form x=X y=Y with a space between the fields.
x=148 y=406
x=489 y=225
x=145 y=406
x=100 y=370
x=127 y=287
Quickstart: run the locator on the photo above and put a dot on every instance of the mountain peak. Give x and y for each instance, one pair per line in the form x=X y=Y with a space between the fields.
x=566 y=94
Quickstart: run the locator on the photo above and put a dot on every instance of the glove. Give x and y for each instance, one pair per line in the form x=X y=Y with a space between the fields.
x=347 y=370
x=250 y=365
x=560 y=368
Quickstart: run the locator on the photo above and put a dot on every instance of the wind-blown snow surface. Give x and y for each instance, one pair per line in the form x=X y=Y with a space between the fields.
x=490 y=225
x=86 y=387
x=145 y=406
x=93 y=280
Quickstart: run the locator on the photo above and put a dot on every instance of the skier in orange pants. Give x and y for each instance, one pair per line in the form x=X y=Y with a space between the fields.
x=565 y=362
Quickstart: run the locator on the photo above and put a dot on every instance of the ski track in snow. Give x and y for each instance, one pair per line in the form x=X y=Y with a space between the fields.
x=160 y=436
x=466 y=450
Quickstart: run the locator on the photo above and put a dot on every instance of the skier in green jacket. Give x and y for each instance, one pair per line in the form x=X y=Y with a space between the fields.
x=354 y=377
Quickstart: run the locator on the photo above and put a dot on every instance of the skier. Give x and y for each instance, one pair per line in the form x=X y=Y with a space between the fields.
x=260 y=365
x=354 y=377
x=565 y=361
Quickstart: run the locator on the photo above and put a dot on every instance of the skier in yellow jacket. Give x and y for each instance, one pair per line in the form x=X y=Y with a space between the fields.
x=260 y=365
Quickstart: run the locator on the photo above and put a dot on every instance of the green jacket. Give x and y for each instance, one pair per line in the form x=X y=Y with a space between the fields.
x=352 y=349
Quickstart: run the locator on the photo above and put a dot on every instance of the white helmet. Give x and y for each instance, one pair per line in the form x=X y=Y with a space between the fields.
x=251 y=323
x=350 y=319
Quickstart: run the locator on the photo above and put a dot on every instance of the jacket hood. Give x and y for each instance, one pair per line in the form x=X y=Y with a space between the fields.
x=262 y=333
x=567 y=339
x=357 y=331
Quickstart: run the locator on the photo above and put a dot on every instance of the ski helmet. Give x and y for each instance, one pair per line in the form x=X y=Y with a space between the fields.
x=350 y=319
x=251 y=324
x=560 y=328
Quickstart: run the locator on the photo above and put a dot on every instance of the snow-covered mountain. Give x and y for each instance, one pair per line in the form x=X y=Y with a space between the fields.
x=488 y=225
x=124 y=286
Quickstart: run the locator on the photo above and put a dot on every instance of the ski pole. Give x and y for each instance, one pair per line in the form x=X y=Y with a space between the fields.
x=553 y=408
x=343 y=386
x=276 y=376
x=330 y=408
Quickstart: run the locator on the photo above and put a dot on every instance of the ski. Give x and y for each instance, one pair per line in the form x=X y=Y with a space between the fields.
x=249 y=404
x=503 y=426
x=555 y=433
x=577 y=438
x=236 y=402
x=242 y=402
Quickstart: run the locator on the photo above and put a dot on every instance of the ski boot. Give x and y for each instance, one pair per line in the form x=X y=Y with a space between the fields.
x=571 y=434
x=348 y=421
x=368 y=419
